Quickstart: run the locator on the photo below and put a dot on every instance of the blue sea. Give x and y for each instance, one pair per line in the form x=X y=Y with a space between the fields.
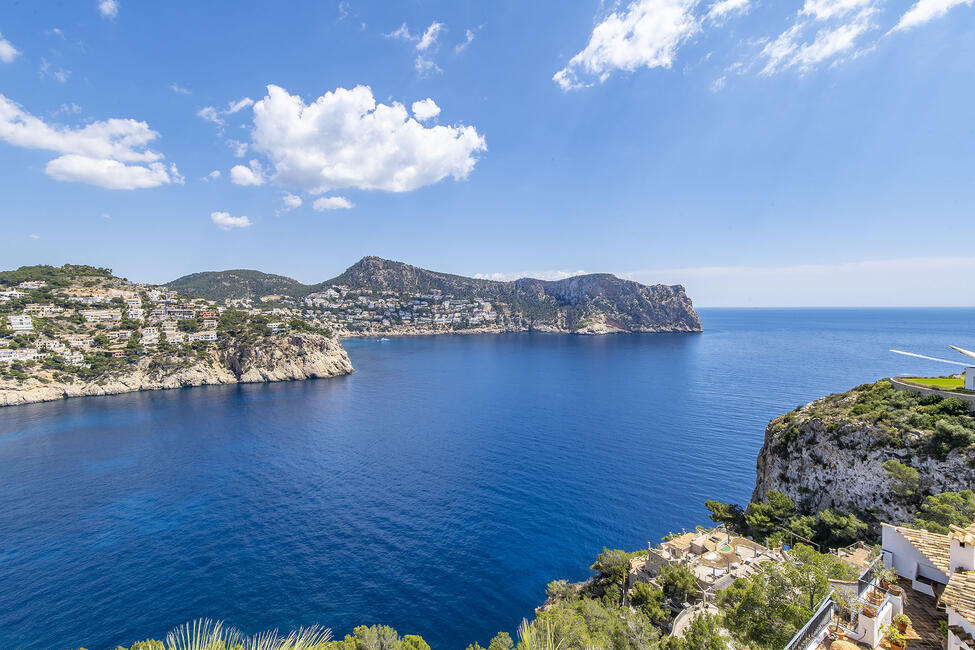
x=437 y=490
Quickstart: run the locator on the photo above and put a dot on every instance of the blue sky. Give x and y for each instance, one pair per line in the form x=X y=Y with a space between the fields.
x=791 y=153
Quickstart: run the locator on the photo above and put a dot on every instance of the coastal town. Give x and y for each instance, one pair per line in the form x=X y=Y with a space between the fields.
x=85 y=314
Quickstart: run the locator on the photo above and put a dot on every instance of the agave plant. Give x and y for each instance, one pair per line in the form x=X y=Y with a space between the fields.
x=205 y=634
x=531 y=636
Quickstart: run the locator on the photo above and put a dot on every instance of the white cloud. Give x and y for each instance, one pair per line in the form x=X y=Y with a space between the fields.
x=225 y=222
x=291 y=201
x=429 y=38
x=212 y=176
x=179 y=90
x=723 y=9
x=215 y=115
x=875 y=283
x=425 y=109
x=99 y=153
x=67 y=109
x=646 y=35
x=926 y=10
x=240 y=148
x=823 y=31
x=108 y=8
x=507 y=276
x=460 y=47
x=332 y=203
x=401 y=33
x=111 y=174
x=252 y=175
x=426 y=45
x=55 y=72
x=33 y=236
x=343 y=10
x=345 y=139
x=7 y=50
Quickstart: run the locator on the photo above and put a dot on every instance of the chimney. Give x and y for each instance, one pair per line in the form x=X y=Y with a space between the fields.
x=962 y=548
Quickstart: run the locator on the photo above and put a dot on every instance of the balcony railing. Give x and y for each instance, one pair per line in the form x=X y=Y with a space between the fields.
x=815 y=626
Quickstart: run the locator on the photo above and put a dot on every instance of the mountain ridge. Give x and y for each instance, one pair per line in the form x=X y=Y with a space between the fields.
x=595 y=303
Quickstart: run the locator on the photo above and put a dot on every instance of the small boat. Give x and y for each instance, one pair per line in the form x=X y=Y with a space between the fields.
x=383 y=339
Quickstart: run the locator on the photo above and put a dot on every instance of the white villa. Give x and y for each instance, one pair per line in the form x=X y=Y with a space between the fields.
x=939 y=563
x=20 y=323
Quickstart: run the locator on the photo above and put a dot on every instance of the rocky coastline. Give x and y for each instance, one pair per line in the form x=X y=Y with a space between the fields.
x=290 y=357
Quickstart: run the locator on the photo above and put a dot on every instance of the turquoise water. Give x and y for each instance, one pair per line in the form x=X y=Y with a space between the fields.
x=437 y=490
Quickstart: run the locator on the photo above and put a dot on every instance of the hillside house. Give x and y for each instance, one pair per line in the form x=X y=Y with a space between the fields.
x=20 y=322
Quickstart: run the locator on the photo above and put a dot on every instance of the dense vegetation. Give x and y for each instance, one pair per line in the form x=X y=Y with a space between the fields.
x=928 y=425
x=239 y=284
x=55 y=276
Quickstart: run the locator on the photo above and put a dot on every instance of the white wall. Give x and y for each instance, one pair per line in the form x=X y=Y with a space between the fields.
x=908 y=562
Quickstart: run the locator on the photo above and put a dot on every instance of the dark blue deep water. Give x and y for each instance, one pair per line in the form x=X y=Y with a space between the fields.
x=437 y=490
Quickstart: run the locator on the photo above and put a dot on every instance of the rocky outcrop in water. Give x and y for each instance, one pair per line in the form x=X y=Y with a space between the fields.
x=293 y=356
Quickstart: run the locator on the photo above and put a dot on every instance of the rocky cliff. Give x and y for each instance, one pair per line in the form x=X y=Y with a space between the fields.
x=597 y=303
x=293 y=356
x=831 y=453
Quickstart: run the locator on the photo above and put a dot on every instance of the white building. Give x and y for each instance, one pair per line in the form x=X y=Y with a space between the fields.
x=20 y=322
x=930 y=560
x=102 y=315
x=24 y=354
x=203 y=336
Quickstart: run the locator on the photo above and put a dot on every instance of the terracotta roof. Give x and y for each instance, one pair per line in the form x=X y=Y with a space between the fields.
x=960 y=594
x=965 y=535
x=934 y=546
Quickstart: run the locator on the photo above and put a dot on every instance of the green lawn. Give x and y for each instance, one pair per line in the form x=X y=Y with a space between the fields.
x=943 y=383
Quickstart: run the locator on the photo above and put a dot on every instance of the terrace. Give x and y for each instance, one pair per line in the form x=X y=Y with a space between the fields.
x=854 y=619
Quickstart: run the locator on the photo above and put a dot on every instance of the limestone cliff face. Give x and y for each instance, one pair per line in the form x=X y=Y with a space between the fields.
x=281 y=358
x=823 y=458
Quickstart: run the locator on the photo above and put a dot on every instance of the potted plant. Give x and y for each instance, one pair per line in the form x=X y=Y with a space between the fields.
x=894 y=638
x=885 y=577
x=943 y=626
x=901 y=622
x=869 y=611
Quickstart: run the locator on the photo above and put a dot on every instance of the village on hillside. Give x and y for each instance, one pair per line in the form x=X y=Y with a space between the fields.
x=78 y=317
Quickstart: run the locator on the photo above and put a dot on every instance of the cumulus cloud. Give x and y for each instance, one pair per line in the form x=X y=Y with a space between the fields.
x=224 y=221
x=646 y=35
x=212 y=176
x=332 y=203
x=7 y=50
x=926 y=10
x=110 y=153
x=108 y=8
x=345 y=139
x=111 y=174
x=291 y=201
x=251 y=175
x=425 y=109
x=179 y=90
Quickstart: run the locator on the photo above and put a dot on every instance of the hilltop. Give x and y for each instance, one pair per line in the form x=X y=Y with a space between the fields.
x=376 y=295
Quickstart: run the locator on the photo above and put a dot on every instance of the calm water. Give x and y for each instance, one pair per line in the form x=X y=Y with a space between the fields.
x=437 y=490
